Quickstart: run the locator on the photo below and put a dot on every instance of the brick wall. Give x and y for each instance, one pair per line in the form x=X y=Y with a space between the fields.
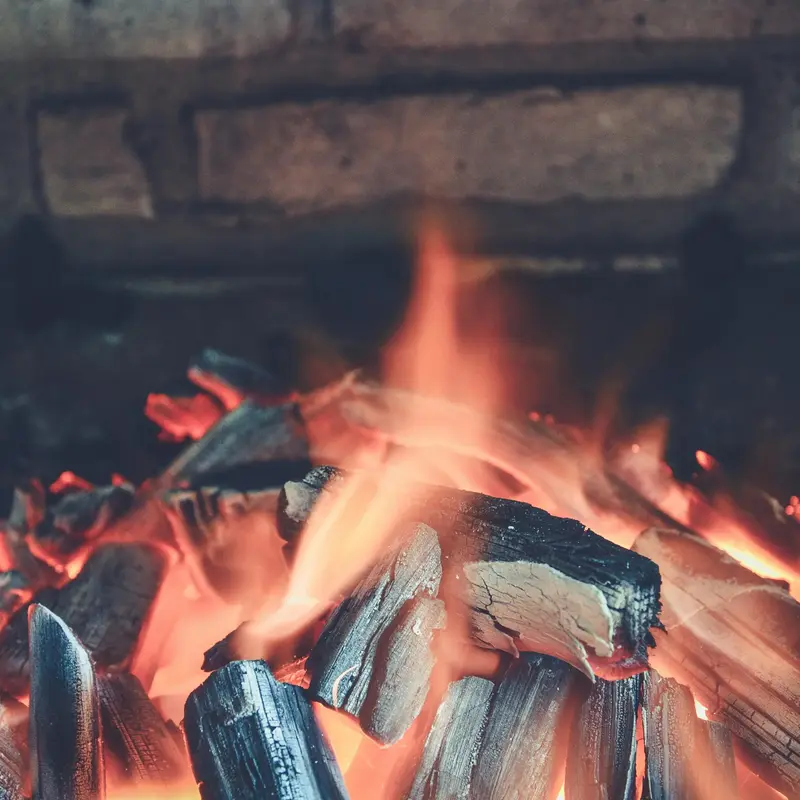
x=264 y=132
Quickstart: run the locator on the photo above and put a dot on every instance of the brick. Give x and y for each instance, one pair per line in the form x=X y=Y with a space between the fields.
x=142 y=29
x=532 y=146
x=458 y=23
x=86 y=166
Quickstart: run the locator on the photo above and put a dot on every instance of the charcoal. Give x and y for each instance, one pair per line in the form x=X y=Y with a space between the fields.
x=673 y=739
x=732 y=639
x=232 y=379
x=502 y=741
x=535 y=582
x=13 y=749
x=246 y=435
x=78 y=518
x=65 y=729
x=106 y=605
x=602 y=756
x=721 y=760
x=229 y=538
x=253 y=738
x=14 y=591
x=27 y=511
x=138 y=742
x=374 y=659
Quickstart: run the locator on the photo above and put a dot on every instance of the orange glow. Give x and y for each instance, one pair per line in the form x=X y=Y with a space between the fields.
x=706 y=461
x=69 y=480
x=181 y=792
x=702 y=712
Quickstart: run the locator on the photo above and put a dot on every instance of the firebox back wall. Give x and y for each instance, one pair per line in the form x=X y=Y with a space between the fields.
x=195 y=130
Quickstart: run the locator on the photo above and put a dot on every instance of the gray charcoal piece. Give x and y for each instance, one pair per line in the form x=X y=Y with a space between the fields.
x=65 y=729
x=601 y=762
x=106 y=605
x=374 y=658
x=253 y=738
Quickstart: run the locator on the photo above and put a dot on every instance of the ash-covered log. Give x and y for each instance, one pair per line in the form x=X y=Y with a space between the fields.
x=65 y=729
x=78 y=518
x=253 y=738
x=13 y=749
x=374 y=658
x=535 y=582
x=246 y=435
x=490 y=742
x=672 y=740
x=229 y=538
x=106 y=605
x=601 y=763
x=141 y=748
x=732 y=637
x=721 y=760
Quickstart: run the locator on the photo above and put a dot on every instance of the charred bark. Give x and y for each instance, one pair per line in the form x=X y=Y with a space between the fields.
x=374 y=658
x=535 y=582
x=246 y=435
x=106 y=605
x=602 y=756
x=500 y=742
x=140 y=745
x=65 y=732
x=732 y=638
x=252 y=738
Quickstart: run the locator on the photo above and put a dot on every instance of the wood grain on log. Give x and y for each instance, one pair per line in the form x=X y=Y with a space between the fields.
x=139 y=744
x=602 y=757
x=252 y=738
x=500 y=742
x=535 y=582
x=374 y=658
x=721 y=760
x=246 y=435
x=734 y=639
x=65 y=729
x=106 y=605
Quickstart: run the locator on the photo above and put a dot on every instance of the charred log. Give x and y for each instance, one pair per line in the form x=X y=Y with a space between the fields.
x=602 y=756
x=500 y=741
x=252 y=738
x=374 y=658
x=106 y=605
x=65 y=732
x=78 y=518
x=13 y=749
x=536 y=583
x=233 y=380
x=721 y=760
x=139 y=744
x=246 y=435
x=732 y=638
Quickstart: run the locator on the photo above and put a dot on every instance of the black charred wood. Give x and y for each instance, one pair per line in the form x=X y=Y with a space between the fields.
x=65 y=729
x=233 y=378
x=374 y=658
x=536 y=583
x=247 y=435
x=13 y=749
x=721 y=760
x=78 y=518
x=253 y=738
x=732 y=639
x=106 y=605
x=140 y=747
x=489 y=742
x=602 y=756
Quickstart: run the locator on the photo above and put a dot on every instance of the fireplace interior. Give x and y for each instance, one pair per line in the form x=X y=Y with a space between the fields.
x=399 y=402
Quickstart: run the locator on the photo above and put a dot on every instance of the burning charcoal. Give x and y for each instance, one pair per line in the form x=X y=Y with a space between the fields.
x=500 y=741
x=252 y=738
x=14 y=591
x=602 y=757
x=721 y=761
x=673 y=739
x=732 y=638
x=106 y=605
x=65 y=733
x=535 y=582
x=13 y=749
x=232 y=380
x=374 y=658
x=183 y=417
x=143 y=746
x=244 y=436
x=78 y=518
x=27 y=511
